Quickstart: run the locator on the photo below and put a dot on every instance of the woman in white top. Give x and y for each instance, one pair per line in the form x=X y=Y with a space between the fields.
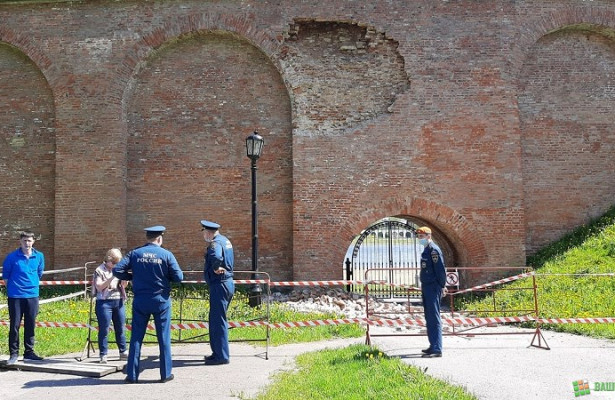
x=110 y=299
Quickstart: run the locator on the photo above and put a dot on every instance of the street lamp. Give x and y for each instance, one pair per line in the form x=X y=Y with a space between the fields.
x=254 y=148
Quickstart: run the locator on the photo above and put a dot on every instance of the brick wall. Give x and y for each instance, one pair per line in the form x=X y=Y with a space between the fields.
x=491 y=121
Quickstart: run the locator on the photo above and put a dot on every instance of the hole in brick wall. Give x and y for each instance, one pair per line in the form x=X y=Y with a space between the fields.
x=342 y=74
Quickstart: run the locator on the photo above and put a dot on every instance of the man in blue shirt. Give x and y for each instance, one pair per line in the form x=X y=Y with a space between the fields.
x=22 y=270
x=433 y=288
x=151 y=270
x=218 y=271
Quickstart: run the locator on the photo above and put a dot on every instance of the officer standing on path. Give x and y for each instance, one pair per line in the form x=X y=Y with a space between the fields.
x=151 y=270
x=433 y=288
x=218 y=271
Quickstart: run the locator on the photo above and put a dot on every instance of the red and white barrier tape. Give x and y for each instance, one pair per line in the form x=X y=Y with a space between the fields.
x=55 y=324
x=296 y=283
x=505 y=280
x=345 y=321
x=597 y=320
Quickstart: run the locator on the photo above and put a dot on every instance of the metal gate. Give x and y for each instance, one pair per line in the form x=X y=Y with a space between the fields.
x=389 y=245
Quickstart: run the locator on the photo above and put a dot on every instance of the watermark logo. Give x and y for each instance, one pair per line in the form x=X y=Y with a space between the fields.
x=581 y=387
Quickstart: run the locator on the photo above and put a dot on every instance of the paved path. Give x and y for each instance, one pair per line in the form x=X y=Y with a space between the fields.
x=497 y=367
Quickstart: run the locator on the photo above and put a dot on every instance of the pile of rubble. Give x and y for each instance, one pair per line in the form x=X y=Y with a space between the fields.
x=352 y=305
x=340 y=302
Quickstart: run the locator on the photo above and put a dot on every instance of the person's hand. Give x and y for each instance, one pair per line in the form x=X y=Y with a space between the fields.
x=444 y=291
x=219 y=271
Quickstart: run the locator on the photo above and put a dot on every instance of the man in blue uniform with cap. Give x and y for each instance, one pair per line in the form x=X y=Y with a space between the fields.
x=433 y=287
x=218 y=271
x=151 y=270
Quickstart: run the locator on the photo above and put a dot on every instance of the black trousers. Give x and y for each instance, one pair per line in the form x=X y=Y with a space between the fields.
x=26 y=309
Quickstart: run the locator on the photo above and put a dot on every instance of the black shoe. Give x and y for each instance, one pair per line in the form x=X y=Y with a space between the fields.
x=32 y=357
x=431 y=355
x=216 y=362
x=168 y=378
x=209 y=358
x=427 y=350
x=128 y=380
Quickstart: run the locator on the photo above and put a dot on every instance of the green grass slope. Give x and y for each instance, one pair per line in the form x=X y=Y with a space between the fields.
x=572 y=281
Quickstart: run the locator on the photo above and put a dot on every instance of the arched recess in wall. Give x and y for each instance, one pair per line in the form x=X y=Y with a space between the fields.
x=461 y=243
x=387 y=250
x=193 y=102
x=27 y=153
x=567 y=114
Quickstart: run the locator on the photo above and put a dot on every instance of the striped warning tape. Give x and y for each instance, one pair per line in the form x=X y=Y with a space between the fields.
x=598 y=320
x=343 y=321
x=297 y=283
x=500 y=281
x=242 y=281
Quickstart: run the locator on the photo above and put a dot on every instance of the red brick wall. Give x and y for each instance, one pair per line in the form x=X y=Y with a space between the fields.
x=566 y=101
x=27 y=149
x=193 y=104
x=491 y=121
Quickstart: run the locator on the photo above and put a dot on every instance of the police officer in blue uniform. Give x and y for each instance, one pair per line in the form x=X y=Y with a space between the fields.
x=218 y=271
x=433 y=288
x=151 y=270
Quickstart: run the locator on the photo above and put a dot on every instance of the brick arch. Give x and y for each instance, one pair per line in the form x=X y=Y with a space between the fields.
x=26 y=46
x=601 y=19
x=449 y=226
x=575 y=114
x=27 y=149
x=240 y=25
x=203 y=81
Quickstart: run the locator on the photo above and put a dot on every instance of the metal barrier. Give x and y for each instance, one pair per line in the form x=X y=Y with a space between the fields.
x=183 y=324
x=465 y=323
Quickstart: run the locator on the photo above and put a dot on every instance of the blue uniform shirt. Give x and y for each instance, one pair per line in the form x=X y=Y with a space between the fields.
x=432 y=266
x=219 y=254
x=22 y=275
x=151 y=269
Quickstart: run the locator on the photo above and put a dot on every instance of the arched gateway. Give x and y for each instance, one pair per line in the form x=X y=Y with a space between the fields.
x=388 y=251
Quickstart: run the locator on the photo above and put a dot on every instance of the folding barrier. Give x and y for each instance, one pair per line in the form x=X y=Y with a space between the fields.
x=465 y=323
x=183 y=325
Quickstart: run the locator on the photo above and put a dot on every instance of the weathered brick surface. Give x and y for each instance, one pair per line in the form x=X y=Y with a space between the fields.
x=491 y=121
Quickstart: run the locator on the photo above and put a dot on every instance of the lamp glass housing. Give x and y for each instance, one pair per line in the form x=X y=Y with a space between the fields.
x=254 y=145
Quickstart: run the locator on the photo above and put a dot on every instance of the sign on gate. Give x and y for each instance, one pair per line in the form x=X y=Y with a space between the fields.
x=452 y=278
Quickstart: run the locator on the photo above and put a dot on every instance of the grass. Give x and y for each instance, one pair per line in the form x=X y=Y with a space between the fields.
x=565 y=290
x=357 y=372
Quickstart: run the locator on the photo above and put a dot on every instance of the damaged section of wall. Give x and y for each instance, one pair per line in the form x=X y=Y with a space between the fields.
x=341 y=75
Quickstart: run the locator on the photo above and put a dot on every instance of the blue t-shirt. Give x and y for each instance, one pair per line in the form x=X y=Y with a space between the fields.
x=22 y=274
x=151 y=269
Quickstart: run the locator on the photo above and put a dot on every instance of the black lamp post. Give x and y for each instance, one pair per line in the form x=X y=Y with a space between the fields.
x=254 y=148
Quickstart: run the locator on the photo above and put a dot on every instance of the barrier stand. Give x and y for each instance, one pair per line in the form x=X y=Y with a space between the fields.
x=538 y=333
x=454 y=321
x=523 y=315
x=188 y=324
x=370 y=317
x=88 y=277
